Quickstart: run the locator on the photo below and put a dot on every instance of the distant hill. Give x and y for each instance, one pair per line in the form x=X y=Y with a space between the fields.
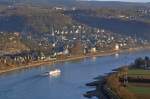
x=131 y=28
x=79 y=3
x=115 y=4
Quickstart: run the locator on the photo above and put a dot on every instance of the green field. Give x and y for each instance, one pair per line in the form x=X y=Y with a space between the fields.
x=139 y=90
x=138 y=72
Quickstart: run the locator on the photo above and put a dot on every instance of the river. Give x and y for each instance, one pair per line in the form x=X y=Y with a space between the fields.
x=70 y=84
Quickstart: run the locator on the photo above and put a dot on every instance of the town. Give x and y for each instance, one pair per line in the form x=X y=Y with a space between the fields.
x=70 y=41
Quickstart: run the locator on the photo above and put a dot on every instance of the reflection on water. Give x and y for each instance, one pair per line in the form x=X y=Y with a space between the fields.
x=77 y=60
x=94 y=58
x=117 y=55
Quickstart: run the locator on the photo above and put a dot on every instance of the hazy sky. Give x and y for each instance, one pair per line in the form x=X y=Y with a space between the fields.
x=128 y=0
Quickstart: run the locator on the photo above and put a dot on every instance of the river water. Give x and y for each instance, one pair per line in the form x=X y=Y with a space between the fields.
x=69 y=84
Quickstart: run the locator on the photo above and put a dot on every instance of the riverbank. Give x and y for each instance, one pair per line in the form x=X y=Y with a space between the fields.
x=129 y=82
x=30 y=65
x=71 y=58
x=99 y=89
x=106 y=87
x=102 y=91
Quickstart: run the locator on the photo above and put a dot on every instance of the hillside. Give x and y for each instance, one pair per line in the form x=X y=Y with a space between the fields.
x=78 y=3
x=35 y=19
x=10 y=43
x=109 y=19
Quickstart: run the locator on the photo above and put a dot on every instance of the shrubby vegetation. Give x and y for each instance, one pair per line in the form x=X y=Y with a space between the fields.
x=143 y=63
x=11 y=43
x=113 y=82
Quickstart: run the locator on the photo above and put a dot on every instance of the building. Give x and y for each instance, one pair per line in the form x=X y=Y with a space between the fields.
x=117 y=47
x=93 y=50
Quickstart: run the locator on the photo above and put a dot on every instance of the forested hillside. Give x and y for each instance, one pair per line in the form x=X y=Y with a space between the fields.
x=34 y=19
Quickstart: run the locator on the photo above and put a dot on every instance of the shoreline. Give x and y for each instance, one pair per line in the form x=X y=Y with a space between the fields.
x=102 y=91
x=51 y=62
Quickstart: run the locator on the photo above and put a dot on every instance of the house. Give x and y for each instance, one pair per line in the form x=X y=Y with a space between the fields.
x=66 y=51
x=85 y=50
x=93 y=49
x=42 y=56
x=117 y=47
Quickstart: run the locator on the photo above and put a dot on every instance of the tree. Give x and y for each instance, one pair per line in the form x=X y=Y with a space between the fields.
x=147 y=61
x=77 y=48
x=139 y=63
